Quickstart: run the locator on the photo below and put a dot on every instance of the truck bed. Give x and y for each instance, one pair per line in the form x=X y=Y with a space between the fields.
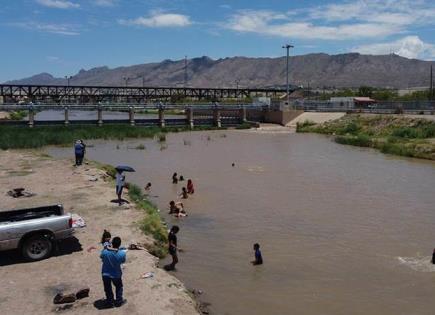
x=30 y=213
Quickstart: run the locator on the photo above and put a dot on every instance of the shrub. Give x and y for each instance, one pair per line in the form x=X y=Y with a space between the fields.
x=301 y=127
x=361 y=140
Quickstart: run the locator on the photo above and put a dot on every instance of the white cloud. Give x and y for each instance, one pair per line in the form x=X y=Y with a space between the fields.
x=276 y=24
x=53 y=59
x=105 y=3
x=58 y=4
x=157 y=19
x=409 y=47
x=225 y=6
x=400 y=12
x=350 y=20
x=61 y=29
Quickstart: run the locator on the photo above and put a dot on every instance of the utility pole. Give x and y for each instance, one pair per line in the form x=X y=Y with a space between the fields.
x=126 y=81
x=68 y=78
x=288 y=46
x=237 y=89
x=185 y=71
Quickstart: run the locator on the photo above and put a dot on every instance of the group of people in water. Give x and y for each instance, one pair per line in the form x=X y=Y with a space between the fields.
x=113 y=255
x=177 y=208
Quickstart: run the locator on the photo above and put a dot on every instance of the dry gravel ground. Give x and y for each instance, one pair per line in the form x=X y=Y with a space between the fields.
x=29 y=288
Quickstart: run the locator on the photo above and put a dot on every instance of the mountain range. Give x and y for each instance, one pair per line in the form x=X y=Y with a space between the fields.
x=314 y=70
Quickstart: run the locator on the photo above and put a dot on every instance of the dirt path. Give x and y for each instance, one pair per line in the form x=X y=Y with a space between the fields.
x=29 y=288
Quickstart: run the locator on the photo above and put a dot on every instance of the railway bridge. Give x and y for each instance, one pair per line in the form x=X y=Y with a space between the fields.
x=14 y=93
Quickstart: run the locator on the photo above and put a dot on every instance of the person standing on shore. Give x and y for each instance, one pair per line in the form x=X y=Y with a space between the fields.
x=79 y=150
x=120 y=182
x=172 y=247
x=112 y=273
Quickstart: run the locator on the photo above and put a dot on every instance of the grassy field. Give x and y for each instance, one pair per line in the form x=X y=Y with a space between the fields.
x=16 y=137
x=390 y=134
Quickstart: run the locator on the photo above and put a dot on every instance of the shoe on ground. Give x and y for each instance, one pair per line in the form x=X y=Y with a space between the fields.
x=119 y=304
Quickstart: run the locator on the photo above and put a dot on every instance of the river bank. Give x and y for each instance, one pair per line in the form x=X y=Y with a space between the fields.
x=392 y=134
x=17 y=137
x=29 y=288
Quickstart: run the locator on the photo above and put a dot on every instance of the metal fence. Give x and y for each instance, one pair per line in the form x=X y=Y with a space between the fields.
x=388 y=107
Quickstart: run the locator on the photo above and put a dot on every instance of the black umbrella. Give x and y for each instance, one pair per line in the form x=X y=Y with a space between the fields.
x=124 y=168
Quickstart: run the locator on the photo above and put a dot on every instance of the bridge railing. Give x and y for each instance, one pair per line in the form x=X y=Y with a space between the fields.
x=378 y=107
x=127 y=107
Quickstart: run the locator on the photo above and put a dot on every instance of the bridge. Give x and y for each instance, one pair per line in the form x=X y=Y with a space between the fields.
x=136 y=115
x=125 y=94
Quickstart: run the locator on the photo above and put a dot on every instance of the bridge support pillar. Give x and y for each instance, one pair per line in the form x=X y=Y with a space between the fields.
x=31 y=117
x=217 y=118
x=100 y=116
x=161 y=117
x=66 y=113
x=189 y=117
x=131 y=115
x=242 y=114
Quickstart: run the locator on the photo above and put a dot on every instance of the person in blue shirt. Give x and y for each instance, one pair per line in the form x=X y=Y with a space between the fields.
x=258 y=258
x=112 y=273
x=79 y=150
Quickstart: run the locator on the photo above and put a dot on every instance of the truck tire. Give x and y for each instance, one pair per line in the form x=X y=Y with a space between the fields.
x=36 y=247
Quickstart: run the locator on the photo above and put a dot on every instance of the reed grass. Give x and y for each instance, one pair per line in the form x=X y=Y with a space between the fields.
x=17 y=137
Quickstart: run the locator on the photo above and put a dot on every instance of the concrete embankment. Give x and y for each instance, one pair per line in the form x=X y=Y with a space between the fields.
x=317 y=118
x=29 y=288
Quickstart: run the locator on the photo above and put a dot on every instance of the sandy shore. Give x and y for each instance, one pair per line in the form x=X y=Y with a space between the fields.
x=29 y=288
x=4 y=115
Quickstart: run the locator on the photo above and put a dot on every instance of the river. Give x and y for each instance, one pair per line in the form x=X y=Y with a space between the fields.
x=343 y=230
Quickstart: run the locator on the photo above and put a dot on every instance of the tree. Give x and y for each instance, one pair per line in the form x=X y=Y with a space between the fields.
x=365 y=91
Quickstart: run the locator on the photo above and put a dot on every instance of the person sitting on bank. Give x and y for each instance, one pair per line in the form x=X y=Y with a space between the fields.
x=184 y=194
x=190 y=189
x=175 y=178
x=120 y=183
x=258 y=258
x=112 y=273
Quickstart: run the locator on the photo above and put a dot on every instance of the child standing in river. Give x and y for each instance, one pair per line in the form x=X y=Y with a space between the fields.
x=258 y=258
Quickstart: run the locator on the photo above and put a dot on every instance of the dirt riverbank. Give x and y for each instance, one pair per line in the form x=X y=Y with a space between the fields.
x=29 y=288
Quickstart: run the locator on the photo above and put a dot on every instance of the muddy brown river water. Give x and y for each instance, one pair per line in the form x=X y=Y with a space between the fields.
x=343 y=230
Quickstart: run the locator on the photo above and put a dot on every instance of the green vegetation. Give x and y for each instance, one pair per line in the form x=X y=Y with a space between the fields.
x=17 y=137
x=151 y=224
x=387 y=133
x=17 y=115
x=301 y=125
x=244 y=126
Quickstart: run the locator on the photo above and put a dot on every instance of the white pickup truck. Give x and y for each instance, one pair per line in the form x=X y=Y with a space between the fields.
x=34 y=230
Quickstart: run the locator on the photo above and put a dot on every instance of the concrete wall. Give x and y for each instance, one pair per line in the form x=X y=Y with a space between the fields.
x=281 y=117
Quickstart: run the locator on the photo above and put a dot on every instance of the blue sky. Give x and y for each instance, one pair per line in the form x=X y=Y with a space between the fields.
x=63 y=36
